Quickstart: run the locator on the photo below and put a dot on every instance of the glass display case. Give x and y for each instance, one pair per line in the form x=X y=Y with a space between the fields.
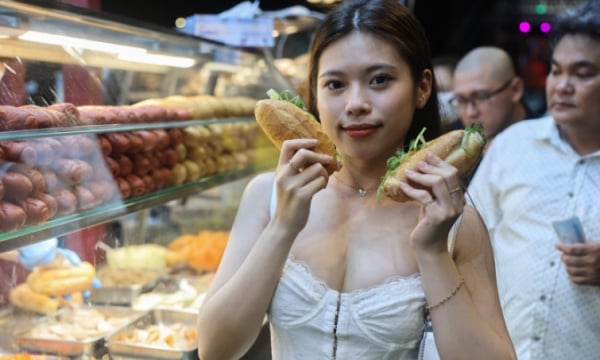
x=117 y=134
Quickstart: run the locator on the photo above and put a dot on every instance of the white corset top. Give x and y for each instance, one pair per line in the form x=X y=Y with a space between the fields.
x=311 y=321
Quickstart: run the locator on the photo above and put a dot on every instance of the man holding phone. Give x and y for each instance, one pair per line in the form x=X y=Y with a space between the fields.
x=536 y=175
x=569 y=231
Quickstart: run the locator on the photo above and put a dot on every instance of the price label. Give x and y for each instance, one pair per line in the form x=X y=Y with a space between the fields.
x=256 y=32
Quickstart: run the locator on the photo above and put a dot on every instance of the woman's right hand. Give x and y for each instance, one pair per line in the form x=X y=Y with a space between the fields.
x=300 y=175
x=443 y=202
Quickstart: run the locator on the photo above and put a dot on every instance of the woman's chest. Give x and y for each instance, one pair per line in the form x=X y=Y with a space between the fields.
x=356 y=247
x=388 y=315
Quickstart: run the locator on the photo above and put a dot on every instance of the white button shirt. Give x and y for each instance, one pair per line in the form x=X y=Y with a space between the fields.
x=528 y=178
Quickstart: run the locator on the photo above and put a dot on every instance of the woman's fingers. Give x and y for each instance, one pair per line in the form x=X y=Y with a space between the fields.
x=297 y=154
x=290 y=147
x=294 y=167
x=302 y=171
x=440 y=180
x=295 y=192
x=314 y=173
x=435 y=165
x=316 y=179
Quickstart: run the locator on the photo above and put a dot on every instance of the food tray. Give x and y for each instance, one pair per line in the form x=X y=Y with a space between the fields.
x=125 y=288
x=175 y=293
x=75 y=331
x=28 y=356
x=117 y=295
x=121 y=345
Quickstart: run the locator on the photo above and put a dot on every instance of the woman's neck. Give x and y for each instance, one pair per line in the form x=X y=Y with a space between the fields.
x=364 y=178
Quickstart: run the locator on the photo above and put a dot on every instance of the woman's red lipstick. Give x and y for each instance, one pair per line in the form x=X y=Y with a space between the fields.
x=360 y=130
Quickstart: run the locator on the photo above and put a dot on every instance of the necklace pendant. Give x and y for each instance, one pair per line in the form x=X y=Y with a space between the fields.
x=362 y=193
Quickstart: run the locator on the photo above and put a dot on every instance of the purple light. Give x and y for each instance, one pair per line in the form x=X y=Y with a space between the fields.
x=524 y=26
x=545 y=27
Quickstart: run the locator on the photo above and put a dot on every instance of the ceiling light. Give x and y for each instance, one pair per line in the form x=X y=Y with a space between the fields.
x=63 y=40
x=156 y=59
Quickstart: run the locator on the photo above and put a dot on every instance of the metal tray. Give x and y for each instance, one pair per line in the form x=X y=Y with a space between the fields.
x=116 y=295
x=123 y=295
x=175 y=293
x=119 y=348
x=30 y=339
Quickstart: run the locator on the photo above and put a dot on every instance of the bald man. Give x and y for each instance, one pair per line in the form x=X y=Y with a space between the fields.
x=487 y=90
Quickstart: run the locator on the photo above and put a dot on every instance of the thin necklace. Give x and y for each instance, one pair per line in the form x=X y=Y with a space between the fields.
x=361 y=192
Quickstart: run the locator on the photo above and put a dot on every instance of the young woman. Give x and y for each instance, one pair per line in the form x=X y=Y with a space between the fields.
x=340 y=274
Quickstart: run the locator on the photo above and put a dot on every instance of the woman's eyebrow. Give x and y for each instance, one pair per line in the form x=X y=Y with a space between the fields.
x=371 y=68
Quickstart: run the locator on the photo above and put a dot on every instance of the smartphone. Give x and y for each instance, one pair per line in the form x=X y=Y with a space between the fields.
x=569 y=231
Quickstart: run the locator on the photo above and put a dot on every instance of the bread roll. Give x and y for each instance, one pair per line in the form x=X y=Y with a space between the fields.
x=460 y=148
x=85 y=198
x=124 y=187
x=15 y=118
x=67 y=201
x=16 y=186
x=137 y=185
x=73 y=171
x=62 y=279
x=136 y=142
x=50 y=202
x=12 y=217
x=37 y=179
x=105 y=145
x=36 y=210
x=141 y=164
x=70 y=111
x=23 y=297
x=119 y=142
x=19 y=151
x=281 y=120
x=83 y=145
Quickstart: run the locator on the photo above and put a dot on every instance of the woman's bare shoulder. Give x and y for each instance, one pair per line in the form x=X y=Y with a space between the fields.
x=257 y=193
x=261 y=184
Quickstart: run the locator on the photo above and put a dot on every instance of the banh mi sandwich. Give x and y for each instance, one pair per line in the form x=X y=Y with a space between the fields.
x=283 y=118
x=460 y=148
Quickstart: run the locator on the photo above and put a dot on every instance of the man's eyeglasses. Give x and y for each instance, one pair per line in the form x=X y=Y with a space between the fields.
x=478 y=99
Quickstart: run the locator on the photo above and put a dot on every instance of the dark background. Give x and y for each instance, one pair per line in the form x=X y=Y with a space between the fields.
x=453 y=27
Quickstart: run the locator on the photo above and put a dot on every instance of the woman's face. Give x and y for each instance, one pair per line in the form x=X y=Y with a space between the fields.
x=366 y=96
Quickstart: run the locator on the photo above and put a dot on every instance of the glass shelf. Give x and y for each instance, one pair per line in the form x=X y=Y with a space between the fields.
x=111 y=79
x=98 y=129
x=105 y=213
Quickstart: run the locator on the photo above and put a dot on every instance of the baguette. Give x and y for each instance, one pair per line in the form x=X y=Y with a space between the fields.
x=23 y=297
x=460 y=148
x=61 y=279
x=284 y=119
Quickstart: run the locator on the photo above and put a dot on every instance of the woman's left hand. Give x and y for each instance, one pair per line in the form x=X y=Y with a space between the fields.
x=437 y=187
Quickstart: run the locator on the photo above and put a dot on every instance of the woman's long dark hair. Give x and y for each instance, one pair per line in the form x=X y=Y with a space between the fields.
x=394 y=23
